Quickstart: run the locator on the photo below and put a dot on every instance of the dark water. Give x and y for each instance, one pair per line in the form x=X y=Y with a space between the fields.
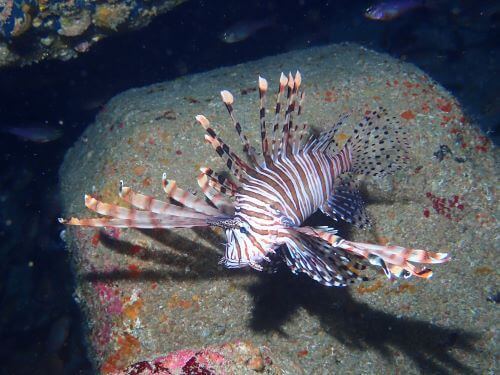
x=456 y=42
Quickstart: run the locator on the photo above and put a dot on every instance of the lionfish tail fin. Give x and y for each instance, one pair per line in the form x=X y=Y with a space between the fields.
x=378 y=146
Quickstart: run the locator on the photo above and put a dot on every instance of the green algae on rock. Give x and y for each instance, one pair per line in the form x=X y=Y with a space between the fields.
x=186 y=301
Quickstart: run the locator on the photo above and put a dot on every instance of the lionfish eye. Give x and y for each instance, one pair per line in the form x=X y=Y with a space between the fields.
x=243 y=230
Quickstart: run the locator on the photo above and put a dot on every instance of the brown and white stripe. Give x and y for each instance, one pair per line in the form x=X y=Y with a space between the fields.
x=263 y=209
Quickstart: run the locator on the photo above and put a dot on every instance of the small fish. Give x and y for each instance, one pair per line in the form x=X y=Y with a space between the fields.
x=390 y=10
x=37 y=134
x=244 y=29
x=58 y=334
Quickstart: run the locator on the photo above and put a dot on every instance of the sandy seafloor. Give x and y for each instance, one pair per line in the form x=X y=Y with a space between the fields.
x=148 y=293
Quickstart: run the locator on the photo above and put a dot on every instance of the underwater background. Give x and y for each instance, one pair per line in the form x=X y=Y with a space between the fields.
x=61 y=63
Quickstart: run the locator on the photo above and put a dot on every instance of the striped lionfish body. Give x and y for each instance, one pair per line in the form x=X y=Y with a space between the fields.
x=263 y=211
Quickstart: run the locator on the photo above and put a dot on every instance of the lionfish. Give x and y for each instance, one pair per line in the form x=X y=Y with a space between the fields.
x=263 y=211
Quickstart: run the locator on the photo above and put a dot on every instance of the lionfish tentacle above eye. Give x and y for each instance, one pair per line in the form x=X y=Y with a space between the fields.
x=219 y=182
x=217 y=199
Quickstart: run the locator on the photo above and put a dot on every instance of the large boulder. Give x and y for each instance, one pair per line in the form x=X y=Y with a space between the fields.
x=148 y=293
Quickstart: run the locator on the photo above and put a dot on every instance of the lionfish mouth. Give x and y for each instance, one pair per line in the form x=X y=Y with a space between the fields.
x=299 y=173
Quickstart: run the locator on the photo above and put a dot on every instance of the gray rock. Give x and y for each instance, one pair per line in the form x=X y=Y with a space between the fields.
x=140 y=302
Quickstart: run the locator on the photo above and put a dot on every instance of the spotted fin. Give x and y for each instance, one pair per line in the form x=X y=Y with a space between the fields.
x=346 y=203
x=377 y=148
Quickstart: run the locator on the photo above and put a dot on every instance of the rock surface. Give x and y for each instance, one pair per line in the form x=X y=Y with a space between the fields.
x=31 y=31
x=148 y=293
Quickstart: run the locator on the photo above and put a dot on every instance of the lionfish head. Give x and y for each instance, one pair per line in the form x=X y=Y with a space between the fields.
x=242 y=247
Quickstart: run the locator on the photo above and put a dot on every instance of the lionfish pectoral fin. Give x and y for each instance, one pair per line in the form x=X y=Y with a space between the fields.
x=377 y=261
x=346 y=203
x=329 y=265
x=394 y=260
x=149 y=212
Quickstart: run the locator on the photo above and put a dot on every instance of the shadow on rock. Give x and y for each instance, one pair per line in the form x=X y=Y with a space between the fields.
x=356 y=325
x=185 y=259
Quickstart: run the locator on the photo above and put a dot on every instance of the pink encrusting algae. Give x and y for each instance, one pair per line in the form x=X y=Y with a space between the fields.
x=294 y=175
x=225 y=359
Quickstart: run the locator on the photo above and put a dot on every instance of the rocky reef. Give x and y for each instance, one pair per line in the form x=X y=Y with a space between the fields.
x=146 y=294
x=35 y=30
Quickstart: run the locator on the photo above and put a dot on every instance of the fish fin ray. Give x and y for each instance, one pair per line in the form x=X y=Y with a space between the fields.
x=346 y=203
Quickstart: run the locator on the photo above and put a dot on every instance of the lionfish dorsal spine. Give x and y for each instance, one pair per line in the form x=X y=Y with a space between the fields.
x=299 y=128
x=233 y=162
x=228 y=99
x=264 y=138
x=277 y=111
x=218 y=199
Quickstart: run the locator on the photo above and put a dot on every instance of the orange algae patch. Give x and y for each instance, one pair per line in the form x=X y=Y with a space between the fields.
x=330 y=96
x=109 y=193
x=176 y=302
x=95 y=239
x=139 y=170
x=485 y=270
x=134 y=270
x=408 y=115
x=131 y=309
x=408 y=84
x=444 y=106
x=403 y=288
x=341 y=138
x=484 y=219
x=302 y=353
x=127 y=346
x=362 y=289
x=383 y=241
